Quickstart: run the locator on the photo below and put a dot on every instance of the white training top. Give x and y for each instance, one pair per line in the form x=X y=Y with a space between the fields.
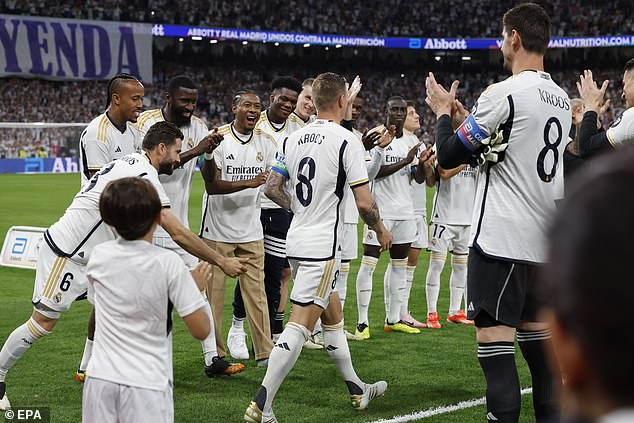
x=515 y=199
x=235 y=217
x=621 y=132
x=453 y=200
x=102 y=142
x=318 y=161
x=278 y=133
x=178 y=184
x=80 y=229
x=393 y=193
x=133 y=304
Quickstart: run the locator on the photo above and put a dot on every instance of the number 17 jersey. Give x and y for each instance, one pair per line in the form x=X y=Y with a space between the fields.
x=515 y=198
x=319 y=160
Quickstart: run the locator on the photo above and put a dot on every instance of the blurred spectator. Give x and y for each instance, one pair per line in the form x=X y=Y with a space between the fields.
x=385 y=18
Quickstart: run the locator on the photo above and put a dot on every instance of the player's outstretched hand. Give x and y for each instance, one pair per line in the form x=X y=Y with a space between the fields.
x=438 y=98
x=210 y=142
x=370 y=140
x=458 y=114
x=260 y=179
x=202 y=274
x=234 y=266
x=413 y=152
x=353 y=90
x=426 y=157
x=590 y=93
x=387 y=136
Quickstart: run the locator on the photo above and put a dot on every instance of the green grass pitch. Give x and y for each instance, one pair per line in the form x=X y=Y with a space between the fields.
x=434 y=368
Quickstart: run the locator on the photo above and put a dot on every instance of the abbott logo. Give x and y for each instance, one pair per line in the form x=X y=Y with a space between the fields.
x=19 y=246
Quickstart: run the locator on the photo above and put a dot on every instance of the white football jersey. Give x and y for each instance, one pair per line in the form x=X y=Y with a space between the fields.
x=80 y=229
x=178 y=184
x=621 y=132
x=134 y=285
x=102 y=142
x=393 y=193
x=235 y=217
x=319 y=161
x=278 y=133
x=453 y=200
x=351 y=213
x=515 y=198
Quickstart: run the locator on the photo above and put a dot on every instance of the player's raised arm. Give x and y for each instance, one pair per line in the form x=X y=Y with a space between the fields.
x=274 y=188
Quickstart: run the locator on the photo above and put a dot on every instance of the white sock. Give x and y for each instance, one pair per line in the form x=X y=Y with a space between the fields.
x=342 y=282
x=337 y=347
x=237 y=323
x=85 y=358
x=386 y=288
x=317 y=327
x=209 y=343
x=432 y=284
x=408 y=289
x=17 y=343
x=282 y=359
x=398 y=275
x=457 y=282
x=364 y=287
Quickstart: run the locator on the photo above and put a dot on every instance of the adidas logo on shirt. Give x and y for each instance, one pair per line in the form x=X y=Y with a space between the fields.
x=117 y=150
x=230 y=157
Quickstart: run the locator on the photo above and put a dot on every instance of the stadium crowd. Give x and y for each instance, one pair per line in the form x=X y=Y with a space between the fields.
x=65 y=102
x=395 y=18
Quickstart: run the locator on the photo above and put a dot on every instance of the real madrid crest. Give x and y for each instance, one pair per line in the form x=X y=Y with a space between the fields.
x=190 y=143
x=259 y=157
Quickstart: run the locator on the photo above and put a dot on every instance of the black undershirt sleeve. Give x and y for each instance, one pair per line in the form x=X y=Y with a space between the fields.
x=591 y=140
x=450 y=151
x=347 y=124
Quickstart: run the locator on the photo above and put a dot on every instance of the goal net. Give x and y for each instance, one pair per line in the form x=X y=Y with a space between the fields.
x=36 y=147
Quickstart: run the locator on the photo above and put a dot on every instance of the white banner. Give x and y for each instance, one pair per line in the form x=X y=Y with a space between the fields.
x=73 y=49
x=21 y=247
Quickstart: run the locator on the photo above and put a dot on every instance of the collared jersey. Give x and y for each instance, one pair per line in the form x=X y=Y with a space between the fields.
x=393 y=193
x=102 y=142
x=80 y=229
x=133 y=286
x=453 y=200
x=515 y=198
x=319 y=161
x=235 y=217
x=178 y=184
x=278 y=133
x=621 y=132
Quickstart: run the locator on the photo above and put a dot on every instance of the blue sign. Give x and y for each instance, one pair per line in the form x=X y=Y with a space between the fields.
x=19 y=246
x=37 y=165
x=160 y=30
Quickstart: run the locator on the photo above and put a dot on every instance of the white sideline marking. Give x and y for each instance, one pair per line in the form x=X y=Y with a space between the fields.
x=441 y=410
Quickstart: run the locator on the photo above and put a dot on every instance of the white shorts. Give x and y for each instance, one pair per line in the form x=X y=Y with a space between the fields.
x=421 y=239
x=109 y=402
x=59 y=281
x=454 y=238
x=168 y=243
x=314 y=281
x=349 y=242
x=403 y=232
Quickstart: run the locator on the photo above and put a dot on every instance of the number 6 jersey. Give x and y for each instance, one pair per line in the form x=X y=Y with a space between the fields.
x=319 y=160
x=515 y=198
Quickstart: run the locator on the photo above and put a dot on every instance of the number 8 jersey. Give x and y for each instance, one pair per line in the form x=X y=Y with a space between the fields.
x=515 y=198
x=319 y=160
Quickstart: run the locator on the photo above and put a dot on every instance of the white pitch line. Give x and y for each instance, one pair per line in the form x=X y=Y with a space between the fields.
x=440 y=410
